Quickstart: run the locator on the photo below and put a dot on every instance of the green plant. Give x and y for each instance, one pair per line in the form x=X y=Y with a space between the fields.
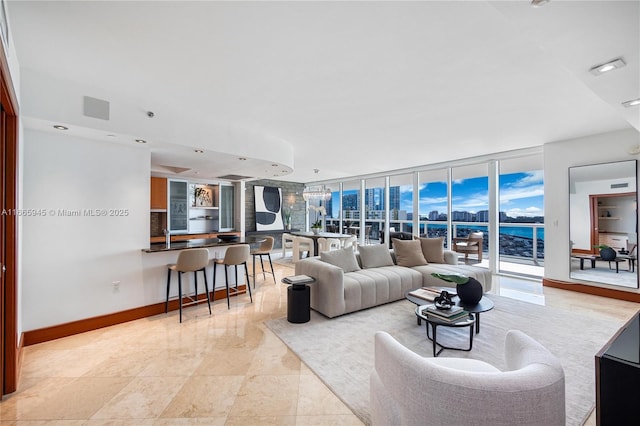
x=601 y=246
x=287 y=216
x=317 y=224
x=452 y=278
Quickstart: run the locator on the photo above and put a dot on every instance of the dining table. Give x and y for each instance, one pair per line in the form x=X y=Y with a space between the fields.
x=315 y=237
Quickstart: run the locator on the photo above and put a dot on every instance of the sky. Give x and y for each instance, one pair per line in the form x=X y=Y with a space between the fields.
x=521 y=194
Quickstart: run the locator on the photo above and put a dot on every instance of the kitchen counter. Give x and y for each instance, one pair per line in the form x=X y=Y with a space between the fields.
x=200 y=243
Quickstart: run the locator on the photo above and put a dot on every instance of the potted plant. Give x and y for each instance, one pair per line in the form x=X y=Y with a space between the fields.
x=287 y=219
x=606 y=252
x=469 y=289
x=316 y=226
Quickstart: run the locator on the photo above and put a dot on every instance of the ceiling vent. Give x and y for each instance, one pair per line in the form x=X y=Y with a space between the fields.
x=234 y=177
x=176 y=170
x=96 y=108
x=619 y=185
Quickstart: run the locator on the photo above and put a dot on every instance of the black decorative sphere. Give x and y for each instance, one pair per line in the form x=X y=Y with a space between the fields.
x=607 y=253
x=470 y=293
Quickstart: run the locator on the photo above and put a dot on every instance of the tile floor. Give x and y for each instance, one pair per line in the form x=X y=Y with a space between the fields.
x=223 y=369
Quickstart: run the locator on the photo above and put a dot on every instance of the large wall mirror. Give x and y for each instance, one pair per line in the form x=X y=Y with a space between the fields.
x=603 y=213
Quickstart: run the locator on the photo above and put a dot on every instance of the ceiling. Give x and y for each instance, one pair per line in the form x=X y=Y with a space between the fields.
x=348 y=88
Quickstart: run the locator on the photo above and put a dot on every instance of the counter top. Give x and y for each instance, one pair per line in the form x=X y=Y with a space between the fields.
x=200 y=243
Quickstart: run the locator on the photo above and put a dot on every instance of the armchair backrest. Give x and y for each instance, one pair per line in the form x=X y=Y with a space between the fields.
x=407 y=388
x=476 y=236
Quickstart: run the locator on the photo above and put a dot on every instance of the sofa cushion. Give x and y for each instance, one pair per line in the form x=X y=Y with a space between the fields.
x=408 y=253
x=345 y=259
x=433 y=249
x=375 y=256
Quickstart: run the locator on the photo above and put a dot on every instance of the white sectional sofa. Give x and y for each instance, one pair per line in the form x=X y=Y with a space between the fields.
x=348 y=282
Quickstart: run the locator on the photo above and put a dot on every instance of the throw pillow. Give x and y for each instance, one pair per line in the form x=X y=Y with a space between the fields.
x=408 y=252
x=374 y=256
x=433 y=249
x=345 y=259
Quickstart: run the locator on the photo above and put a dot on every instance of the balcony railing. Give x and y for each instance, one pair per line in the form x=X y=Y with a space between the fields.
x=520 y=242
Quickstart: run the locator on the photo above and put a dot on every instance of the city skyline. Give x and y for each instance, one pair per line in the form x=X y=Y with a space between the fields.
x=521 y=195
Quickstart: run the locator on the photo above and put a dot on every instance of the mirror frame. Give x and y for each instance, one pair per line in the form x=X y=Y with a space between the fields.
x=610 y=223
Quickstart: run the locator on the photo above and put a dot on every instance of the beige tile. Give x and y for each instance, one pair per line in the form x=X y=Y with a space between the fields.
x=226 y=362
x=143 y=397
x=208 y=421
x=204 y=396
x=61 y=363
x=173 y=362
x=261 y=420
x=267 y=396
x=30 y=394
x=329 y=420
x=275 y=359
x=316 y=399
x=75 y=399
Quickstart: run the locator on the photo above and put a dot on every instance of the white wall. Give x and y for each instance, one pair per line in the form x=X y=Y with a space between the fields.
x=558 y=157
x=69 y=263
x=580 y=209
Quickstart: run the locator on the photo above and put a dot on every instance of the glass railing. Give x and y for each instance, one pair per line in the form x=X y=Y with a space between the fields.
x=521 y=242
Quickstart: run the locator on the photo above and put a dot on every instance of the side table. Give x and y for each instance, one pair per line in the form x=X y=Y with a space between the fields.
x=298 y=298
x=430 y=320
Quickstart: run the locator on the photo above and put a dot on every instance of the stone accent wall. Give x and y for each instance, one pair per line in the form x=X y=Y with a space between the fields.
x=291 y=199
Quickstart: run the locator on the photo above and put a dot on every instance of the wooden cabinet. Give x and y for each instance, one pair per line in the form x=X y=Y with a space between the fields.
x=158 y=193
x=615 y=241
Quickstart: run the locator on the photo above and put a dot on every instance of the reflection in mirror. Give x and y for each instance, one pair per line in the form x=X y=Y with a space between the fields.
x=603 y=223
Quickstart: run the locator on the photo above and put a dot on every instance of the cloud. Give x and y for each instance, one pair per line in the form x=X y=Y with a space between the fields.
x=526 y=212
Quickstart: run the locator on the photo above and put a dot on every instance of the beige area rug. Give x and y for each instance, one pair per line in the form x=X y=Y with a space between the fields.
x=340 y=350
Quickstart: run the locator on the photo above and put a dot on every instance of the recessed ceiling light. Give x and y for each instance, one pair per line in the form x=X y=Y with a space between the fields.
x=242 y=159
x=59 y=127
x=141 y=141
x=606 y=67
x=274 y=165
x=631 y=103
x=111 y=136
x=538 y=3
x=284 y=171
x=199 y=151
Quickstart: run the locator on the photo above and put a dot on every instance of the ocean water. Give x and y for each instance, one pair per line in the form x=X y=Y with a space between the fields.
x=523 y=232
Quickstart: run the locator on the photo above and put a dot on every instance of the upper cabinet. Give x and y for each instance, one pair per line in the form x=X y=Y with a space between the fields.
x=158 y=193
x=178 y=213
x=191 y=207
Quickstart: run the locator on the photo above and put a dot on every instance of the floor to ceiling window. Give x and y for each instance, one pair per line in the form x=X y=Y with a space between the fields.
x=470 y=205
x=375 y=209
x=401 y=210
x=521 y=195
x=433 y=203
x=518 y=191
x=351 y=207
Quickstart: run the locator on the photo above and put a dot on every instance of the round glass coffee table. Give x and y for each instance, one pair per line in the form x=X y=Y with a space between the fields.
x=484 y=305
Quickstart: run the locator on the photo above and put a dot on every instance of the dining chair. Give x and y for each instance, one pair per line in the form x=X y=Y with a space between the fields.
x=302 y=245
x=264 y=250
x=287 y=243
x=190 y=260
x=328 y=244
x=234 y=256
x=352 y=242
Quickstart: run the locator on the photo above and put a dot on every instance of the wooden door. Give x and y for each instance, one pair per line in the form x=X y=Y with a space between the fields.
x=9 y=348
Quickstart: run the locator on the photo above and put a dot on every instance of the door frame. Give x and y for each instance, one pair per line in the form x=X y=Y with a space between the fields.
x=9 y=345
